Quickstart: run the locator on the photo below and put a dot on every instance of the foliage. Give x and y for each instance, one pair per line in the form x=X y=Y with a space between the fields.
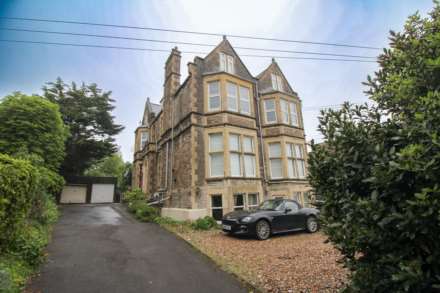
x=32 y=124
x=13 y=274
x=86 y=110
x=113 y=166
x=30 y=243
x=378 y=171
x=206 y=223
x=18 y=186
x=167 y=221
x=135 y=194
x=143 y=211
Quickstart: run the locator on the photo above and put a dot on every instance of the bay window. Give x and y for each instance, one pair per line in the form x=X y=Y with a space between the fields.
x=293 y=114
x=216 y=168
x=241 y=156
x=275 y=162
x=214 y=99
x=300 y=162
x=284 y=107
x=249 y=156
x=295 y=161
x=234 y=148
x=270 y=109
x=231 y=90
x=245 y=103
x=144 y=139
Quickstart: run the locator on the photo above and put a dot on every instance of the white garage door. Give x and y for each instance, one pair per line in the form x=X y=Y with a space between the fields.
x=73 y=194
x=102 y=193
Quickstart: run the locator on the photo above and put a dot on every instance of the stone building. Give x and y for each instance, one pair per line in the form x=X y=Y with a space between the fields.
x=222 y=139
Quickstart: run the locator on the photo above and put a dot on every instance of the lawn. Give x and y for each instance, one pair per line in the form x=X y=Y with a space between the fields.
x=298 y=262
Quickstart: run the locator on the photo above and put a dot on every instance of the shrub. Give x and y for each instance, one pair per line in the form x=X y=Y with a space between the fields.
x=146 y=213
x=18 y=186
x=30 y=243
x=167 y=221
x=205 y=223
x=34 y=125
x=379 y=169
x=13 y=274
x=134 y=195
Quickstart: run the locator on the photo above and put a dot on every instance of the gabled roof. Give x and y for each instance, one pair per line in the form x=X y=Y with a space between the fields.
x=150 y=108
x=226 y=47
x=273 y=68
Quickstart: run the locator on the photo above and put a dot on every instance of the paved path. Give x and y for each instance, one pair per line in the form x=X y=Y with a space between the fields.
x=101 y=248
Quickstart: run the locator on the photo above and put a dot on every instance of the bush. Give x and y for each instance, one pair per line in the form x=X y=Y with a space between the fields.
x=205 y=223
x=30 y=244
x=379 y=169
x=143 y=211
x=13 y=274
x=18 y=186
x=34 y=125
x=134 y=195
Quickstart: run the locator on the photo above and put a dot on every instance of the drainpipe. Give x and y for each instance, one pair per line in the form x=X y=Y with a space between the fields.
x=172 y=146
x=261 y=139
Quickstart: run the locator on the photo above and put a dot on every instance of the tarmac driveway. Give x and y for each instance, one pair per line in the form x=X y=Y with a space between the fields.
x=101 y=248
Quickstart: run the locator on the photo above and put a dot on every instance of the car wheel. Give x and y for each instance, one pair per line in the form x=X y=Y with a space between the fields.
x=312 y=225
x=262 y=230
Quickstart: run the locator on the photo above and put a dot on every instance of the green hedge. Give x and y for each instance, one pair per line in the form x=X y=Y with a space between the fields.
x=18 y=186
x=27 y=210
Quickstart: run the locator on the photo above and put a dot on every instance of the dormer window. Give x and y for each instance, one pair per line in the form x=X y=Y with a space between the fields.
x=277 y=82
x=144 y=139
x=226 y=63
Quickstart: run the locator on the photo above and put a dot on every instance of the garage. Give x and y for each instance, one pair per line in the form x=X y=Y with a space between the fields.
x=86 y=189
x=102 y=193
x=74 y=194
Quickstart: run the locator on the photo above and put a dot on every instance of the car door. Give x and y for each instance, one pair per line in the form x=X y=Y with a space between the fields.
x=292 y=219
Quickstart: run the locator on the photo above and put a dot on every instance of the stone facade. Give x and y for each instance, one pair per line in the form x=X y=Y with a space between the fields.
x=257 y=121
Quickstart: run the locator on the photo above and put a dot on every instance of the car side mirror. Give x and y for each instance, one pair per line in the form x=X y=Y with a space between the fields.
x=287 y=210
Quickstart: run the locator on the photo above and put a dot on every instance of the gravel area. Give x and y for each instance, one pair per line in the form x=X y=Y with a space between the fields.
x=298 y=262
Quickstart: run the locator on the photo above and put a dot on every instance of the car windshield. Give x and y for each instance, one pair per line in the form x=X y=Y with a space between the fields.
x=271 y=204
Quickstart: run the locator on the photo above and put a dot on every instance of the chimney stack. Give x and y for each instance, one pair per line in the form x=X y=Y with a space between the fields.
x=172 y=73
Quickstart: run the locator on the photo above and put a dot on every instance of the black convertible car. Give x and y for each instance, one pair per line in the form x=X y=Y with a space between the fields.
x=272 y=216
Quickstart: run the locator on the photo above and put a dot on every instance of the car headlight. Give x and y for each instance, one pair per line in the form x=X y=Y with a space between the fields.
x=246 y=219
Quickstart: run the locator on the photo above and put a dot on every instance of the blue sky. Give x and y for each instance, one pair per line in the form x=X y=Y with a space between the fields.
x=134 y=76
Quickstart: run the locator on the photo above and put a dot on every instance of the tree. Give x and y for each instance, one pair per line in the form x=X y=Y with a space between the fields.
x=86 y=110
x=31 y=124
x=113 y=166
x=379 y=169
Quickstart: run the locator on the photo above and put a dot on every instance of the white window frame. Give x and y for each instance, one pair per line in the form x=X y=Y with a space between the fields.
x=210 y=95
x=284 y=112
x=244 y=201
x=277 y=82
x=144 y=139
x=293 y=112
x=235 y=97
x=226 y=63
x=300 y=159
x=249 y=154
x=249 y=206
x=215 y=152
x=272 y=158
x=266 y=110
x=234 y=153
x=245 y=100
